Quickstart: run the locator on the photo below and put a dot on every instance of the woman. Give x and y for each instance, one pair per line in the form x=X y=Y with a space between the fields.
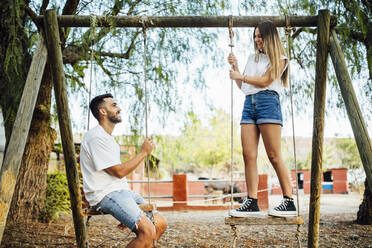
x=264 y=76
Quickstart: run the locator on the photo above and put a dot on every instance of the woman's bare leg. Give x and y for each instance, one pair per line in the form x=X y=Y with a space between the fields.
x=271 y=136
x=250 y=136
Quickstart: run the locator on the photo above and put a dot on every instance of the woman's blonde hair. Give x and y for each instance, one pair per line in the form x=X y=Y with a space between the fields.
x=273 y=48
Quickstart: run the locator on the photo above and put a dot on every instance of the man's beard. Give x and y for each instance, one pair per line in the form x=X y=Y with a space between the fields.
x=114 y=119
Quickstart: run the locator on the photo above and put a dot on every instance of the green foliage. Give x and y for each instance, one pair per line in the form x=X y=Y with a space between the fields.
x=303 y=163
x=353 y=26
x=200 y=148
x=306 y=163
x=349 y=154
x=337 y=153
x=118 y=60
x=329 y=159
x=58 y=196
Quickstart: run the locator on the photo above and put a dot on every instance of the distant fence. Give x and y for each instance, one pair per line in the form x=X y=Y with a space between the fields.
x=183 y=194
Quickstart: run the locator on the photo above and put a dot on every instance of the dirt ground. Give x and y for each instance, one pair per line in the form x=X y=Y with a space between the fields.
x=207 y=229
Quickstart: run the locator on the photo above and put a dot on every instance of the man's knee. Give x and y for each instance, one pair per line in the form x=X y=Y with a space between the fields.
x=160 y=224
x=145 y=229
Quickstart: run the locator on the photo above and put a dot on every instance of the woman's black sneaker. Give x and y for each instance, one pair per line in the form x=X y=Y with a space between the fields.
x=286 y=208
x=249 y=208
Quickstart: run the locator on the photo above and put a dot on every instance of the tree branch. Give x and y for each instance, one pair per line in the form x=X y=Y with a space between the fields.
x=113 y=55
x=106 y=71
x=131 y=9
x=32 y=15
x=44 y=6
x=70 y=7
x=300 y=30
x=72 y=54
x=355 y=35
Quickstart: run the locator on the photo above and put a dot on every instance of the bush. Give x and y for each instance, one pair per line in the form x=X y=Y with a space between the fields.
x=58 y=197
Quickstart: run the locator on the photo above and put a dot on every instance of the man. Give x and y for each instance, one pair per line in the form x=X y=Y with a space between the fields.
x=104 y=175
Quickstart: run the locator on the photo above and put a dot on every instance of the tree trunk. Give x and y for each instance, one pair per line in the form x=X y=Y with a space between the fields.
x=28 y=201
x=29 y=195
x=14 y=61
x=364 y=216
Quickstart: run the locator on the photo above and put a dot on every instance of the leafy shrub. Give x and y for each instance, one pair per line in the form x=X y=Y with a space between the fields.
x=58 y=197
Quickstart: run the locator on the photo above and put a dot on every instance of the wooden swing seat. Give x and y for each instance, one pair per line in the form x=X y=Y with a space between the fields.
x=89 y=211
x=265 y=220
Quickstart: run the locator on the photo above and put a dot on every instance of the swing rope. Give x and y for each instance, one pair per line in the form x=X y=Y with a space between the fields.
x=93 y=24
x=233 y=227
x=288 y=31
x=144 y=19
x=231 y=34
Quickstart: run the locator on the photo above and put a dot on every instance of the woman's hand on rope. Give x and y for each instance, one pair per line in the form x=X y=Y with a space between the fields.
x=235 y=75
x=147 y=146
x=233 y=61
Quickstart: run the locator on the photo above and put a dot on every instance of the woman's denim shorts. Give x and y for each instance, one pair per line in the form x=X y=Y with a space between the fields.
x=123 y=205
x=262 y=107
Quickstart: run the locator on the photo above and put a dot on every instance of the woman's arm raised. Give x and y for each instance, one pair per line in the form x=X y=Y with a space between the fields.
x=234 y=63
x=261 y=82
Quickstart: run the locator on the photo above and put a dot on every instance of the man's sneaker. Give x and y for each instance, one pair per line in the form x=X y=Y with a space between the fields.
x=286 y=208
x=249 y=208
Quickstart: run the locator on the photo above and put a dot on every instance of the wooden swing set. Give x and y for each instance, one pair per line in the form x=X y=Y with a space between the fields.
x=49 y=48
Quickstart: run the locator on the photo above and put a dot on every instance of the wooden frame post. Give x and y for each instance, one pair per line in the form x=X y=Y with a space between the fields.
x=318 y=125
x=55 y=55
x=352 y=107
x=14 y=152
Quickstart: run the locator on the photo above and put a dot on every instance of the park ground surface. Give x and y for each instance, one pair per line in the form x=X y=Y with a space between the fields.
x=207 y=229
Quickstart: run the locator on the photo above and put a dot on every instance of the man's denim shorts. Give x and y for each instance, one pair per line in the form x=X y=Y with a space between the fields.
x=262 y=107
x=123 y=205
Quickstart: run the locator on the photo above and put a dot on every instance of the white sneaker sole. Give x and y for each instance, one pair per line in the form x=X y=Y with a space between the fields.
x=234 y=213
x=283 y=213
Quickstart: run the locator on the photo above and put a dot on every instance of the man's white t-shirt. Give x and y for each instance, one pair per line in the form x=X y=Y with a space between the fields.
x=258 y=68
x=99 y=151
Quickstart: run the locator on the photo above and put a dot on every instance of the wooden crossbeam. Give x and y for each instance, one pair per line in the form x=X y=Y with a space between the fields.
x=92 y=211
x=265 y=220
x=184 y=21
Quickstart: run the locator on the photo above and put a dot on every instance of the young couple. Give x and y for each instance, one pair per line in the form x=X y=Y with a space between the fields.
x=104 y=175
